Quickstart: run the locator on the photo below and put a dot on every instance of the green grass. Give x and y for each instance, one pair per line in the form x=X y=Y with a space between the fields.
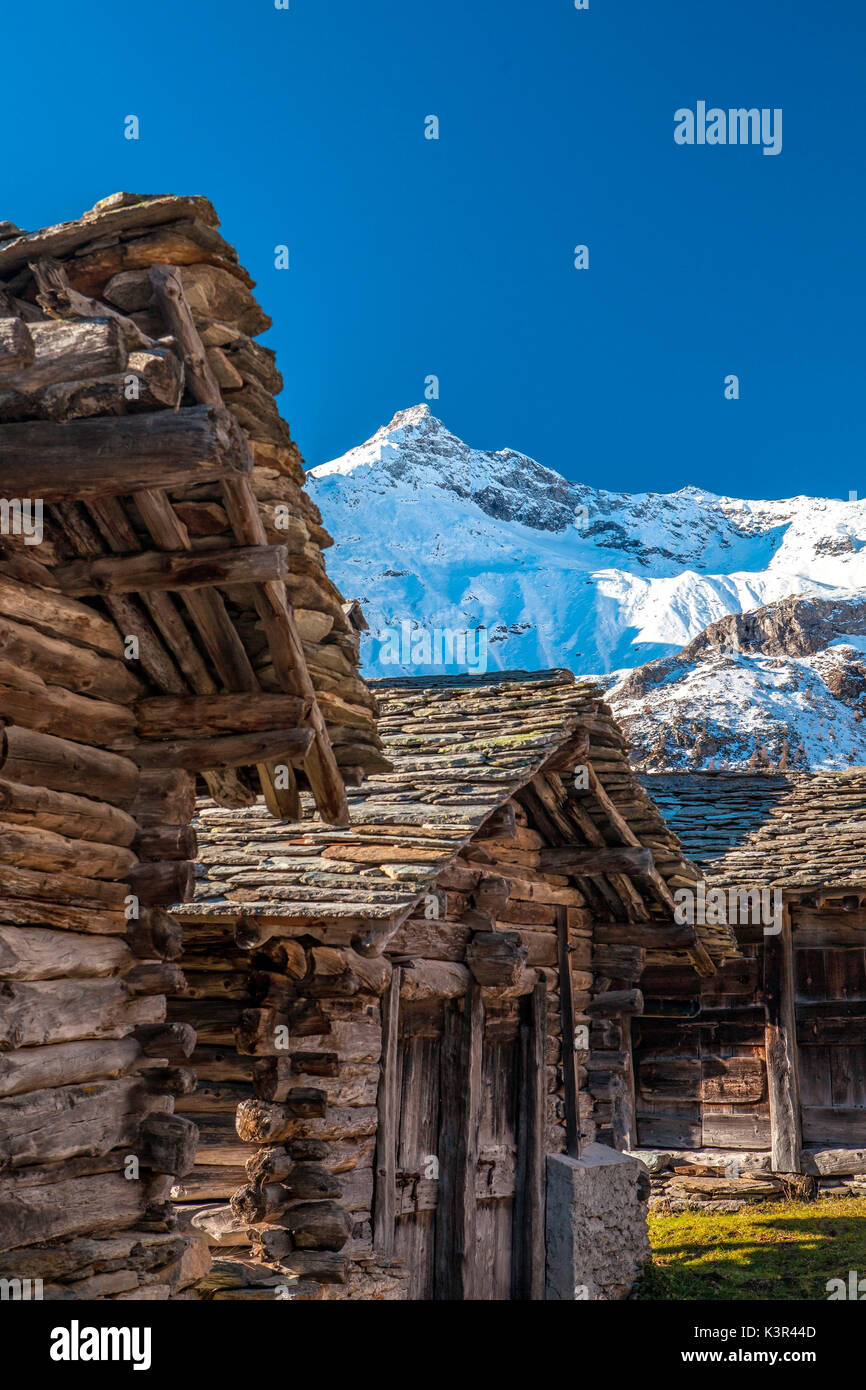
x=774 y=1250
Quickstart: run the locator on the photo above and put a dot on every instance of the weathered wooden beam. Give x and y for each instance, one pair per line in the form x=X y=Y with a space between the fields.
x=111 y=455
x=152 y=380
x=91 y=1204
x=384 y=1209
x=318 y=1225
x=55 y=1124
x=32 y=847
x=37 y=953
x=68 y=350
x=35 y=1068
x=80 y=817
x=154 y=935
x=163 y=882
x=496 y=957
x=461 y=1090
x=41 y=760
x=16 y=346
x=203 y=716
x=58 y=662
x=528 y=1241
x=568 y=859
x=227 y=750
x=168 y=1143
x=613 y=1003
x=649 y=935
x=433 y=979
x=25 y=699
x=780 y=1035
x=342 y=971
x=569 y=1036
x=174 y=1041
x=185 y=569
x=36 y=1013
x=166 y=842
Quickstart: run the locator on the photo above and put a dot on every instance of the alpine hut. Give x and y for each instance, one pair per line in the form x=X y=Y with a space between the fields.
x=754 y=1081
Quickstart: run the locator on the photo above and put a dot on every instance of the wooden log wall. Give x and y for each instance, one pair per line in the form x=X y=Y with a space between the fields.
x=89 y=1143
x=767 y=1055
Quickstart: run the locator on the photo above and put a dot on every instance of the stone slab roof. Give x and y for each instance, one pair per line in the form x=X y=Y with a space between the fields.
x=796 y=831
x=460 y=747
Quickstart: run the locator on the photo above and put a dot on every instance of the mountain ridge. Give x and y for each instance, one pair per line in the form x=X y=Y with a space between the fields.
x=432 y=533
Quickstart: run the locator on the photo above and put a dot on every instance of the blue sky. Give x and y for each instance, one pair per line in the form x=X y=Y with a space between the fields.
x=412 y=257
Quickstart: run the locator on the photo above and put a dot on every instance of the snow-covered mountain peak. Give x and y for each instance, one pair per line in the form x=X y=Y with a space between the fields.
x=415 y=452
x=434 y=533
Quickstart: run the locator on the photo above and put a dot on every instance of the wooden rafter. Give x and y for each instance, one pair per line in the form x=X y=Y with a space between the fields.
x=96 y=461
x=271 y=600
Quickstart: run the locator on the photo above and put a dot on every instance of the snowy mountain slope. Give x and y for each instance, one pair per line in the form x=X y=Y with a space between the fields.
x=783 y=686
x=432 y=534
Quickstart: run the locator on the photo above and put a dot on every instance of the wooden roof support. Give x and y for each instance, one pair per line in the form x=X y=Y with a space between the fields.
x=627 y=835
x=163 y=643
x=207 y=609
x=245 y=517
x=649 y=935
x=203 y=716
x=228 y=750
x=110 y=517
x=114 y=454
x=125 y=574
x=571 y=812
x=577 y=859
x=548 y=814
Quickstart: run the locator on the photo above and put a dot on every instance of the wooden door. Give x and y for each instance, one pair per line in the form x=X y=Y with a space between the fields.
x=830 y=985
x=700 y=1075
x=468 y=1148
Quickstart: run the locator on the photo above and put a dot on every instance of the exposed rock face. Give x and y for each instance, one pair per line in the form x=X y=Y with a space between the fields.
x=781 y=687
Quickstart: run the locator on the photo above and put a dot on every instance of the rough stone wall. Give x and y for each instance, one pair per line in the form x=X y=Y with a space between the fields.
x=597 y=1241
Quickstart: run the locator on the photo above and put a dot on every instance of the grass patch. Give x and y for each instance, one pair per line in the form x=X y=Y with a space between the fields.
x=773 y=1250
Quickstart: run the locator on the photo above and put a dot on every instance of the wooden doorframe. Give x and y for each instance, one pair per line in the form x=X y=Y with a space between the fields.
x=780 y=1039
x=387 y=1104
x=460 y=1108
x=528 y=1219
x=569 y=1053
